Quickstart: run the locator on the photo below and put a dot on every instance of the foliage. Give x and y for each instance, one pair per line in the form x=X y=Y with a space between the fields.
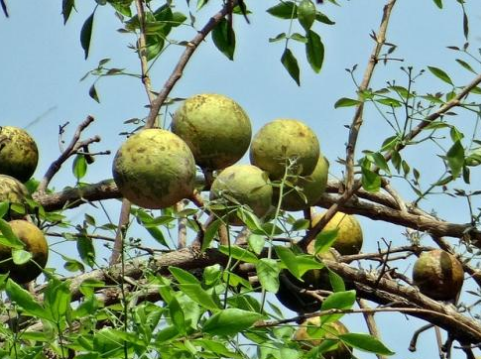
x=211 y=295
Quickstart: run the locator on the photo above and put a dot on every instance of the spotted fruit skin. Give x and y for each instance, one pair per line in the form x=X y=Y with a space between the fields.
x=309 y=189
x=35 y=243
x=242 y=185
x=332 y=329
x=18 y=153
x=215 y=127
x=154 y=169
x=282 y=141
x=349 y=236
x=439 y=275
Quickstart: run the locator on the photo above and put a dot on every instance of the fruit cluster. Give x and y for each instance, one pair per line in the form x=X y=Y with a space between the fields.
x=18 y=161
x=156 y=168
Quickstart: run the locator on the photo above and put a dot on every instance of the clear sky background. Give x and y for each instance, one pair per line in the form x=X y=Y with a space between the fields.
x=42 y=62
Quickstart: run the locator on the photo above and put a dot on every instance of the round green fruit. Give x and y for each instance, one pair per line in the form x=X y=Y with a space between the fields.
x=215 y=127
x=282 y=143
x=35 y=244
x=349 y=236
x=439 y=275
x=308 y=189
x=18 y=153
x=331 y=331
x=154 y=169
x=242 y=185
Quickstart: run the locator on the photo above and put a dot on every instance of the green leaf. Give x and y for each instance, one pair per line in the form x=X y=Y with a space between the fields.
x=86 y=250
x=67 y=7
x=57 y=298
x=177 y=315
x=284 y=10
x=314 y=51
x=183 y=277
x=279 y=37
x=268 y=272
x=365 y=342
x=107 y=340
x=25 y=300
x=230 y=321
x=346 y=102
x=337 y=300
x=199 y=295
x=306 y=14
x=8 y=238
x=93 y=93
x=324 y=240
x=20 y=256
x=381 y=162
x=154 y=45
x=210 y=233
x=289 y=259
x=239 y=253
x=320 y=17
x=256 y=243
x=465 y=65
x=337 y=283
x=439 y=3
x=86 y=34
x=290 y=64
x=4 y=207
x=370 y=180
x=440 y=74
x=224 y=38
x=388 y=101
x=79 y=167
x=455 y=158
x=299 y=38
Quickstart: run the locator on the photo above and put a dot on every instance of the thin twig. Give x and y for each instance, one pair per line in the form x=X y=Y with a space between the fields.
x=370 y=322
x=351 y=188
x=71 y=149
x=357 y=121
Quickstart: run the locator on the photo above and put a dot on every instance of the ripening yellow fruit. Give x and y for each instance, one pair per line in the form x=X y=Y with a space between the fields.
x=438 y=275
x=332 y=330
x=35 y=244
x=349 y=237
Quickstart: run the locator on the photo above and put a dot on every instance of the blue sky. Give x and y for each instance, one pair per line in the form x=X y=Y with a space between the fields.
x=42 y=62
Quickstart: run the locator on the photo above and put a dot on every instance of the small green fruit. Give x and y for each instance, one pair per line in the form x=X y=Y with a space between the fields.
x=35 y=244
x=215 y=127
x=438 y=275
x=308 y=189
x=328 y=331
x=154 y=169
x=349 y=236
x=242 y=185
x=18 y=153
x=282 y=143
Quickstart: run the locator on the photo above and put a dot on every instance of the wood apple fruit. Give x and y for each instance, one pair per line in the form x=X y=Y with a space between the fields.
x=18 y=153
x=244 y=185
x=154 y=169
x=35 y=244
x=282 y=143
x=215 y=127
